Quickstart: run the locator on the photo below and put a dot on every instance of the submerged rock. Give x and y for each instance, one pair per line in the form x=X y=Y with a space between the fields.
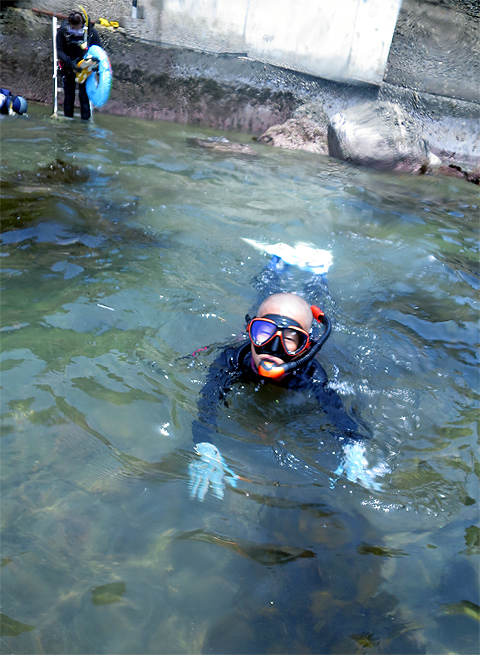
x=56 y=172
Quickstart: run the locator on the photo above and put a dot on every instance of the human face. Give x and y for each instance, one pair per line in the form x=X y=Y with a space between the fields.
x=289 y=310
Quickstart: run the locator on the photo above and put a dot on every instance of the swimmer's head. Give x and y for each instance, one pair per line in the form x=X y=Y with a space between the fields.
x=289 y=305
x=284 y=334
x=76 y=20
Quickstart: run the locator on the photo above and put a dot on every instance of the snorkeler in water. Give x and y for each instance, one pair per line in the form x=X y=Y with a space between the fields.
x=284 y=337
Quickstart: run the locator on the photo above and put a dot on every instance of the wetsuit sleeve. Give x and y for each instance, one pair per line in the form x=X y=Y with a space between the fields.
x=221 y=376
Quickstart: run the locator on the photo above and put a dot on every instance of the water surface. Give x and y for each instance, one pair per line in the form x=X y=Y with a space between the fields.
x=116 y=269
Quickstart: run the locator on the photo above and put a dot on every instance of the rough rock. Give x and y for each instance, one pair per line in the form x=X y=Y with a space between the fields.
x=297 y=134
x=379 y=135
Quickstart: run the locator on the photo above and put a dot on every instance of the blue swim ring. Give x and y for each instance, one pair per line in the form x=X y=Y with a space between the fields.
x=99 y=83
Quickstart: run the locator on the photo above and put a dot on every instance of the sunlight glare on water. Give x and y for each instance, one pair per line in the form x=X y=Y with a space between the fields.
x=123 y=253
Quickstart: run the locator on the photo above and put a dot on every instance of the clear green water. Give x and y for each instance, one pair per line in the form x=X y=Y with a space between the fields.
x=108 y=281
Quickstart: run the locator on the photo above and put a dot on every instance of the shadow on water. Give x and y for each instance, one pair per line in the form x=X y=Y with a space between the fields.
x=124 y=254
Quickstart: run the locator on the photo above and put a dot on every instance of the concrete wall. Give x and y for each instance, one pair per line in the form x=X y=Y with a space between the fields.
x=343 y=40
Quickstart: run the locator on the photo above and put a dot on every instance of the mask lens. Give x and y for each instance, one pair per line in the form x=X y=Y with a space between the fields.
x=261 y=331
x=293 y=340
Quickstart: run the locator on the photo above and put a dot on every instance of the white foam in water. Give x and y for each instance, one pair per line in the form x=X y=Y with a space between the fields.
x=302 y=255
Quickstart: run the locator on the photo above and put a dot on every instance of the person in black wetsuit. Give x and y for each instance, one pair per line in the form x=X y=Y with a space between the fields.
x=281 y=350
x=74 y=37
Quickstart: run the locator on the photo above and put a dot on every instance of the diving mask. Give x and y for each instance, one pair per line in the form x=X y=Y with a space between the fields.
x=278 y=335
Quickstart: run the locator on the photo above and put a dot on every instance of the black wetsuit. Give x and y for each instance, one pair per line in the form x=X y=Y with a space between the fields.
x=234 y=366
x=69 y=51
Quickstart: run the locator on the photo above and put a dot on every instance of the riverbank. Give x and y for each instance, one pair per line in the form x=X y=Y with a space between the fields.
x=405 y=124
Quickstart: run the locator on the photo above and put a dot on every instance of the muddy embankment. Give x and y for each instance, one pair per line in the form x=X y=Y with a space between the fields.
x=424 y=118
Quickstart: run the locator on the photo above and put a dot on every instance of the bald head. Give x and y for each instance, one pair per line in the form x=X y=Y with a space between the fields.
x=289 y=305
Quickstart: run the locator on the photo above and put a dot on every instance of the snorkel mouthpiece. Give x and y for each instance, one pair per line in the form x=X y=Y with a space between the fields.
x=274 y=371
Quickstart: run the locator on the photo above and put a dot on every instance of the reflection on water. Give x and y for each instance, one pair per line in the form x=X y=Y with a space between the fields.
x=122 y=254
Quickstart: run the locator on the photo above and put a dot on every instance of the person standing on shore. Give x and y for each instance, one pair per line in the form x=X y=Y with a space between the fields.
x=74 y=37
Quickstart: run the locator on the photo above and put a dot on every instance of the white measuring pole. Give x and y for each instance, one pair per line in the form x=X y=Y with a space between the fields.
x=55 y=66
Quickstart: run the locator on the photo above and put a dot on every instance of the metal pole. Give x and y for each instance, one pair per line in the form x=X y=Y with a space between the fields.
x=55 y=66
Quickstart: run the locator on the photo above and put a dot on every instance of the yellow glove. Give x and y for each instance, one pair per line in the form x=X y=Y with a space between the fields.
x=88 y=65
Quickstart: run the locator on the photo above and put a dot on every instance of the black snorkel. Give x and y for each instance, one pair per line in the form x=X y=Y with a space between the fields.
x=275 y=371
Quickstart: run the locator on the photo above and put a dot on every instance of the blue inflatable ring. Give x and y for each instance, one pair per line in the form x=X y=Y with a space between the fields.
x=99 y=83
